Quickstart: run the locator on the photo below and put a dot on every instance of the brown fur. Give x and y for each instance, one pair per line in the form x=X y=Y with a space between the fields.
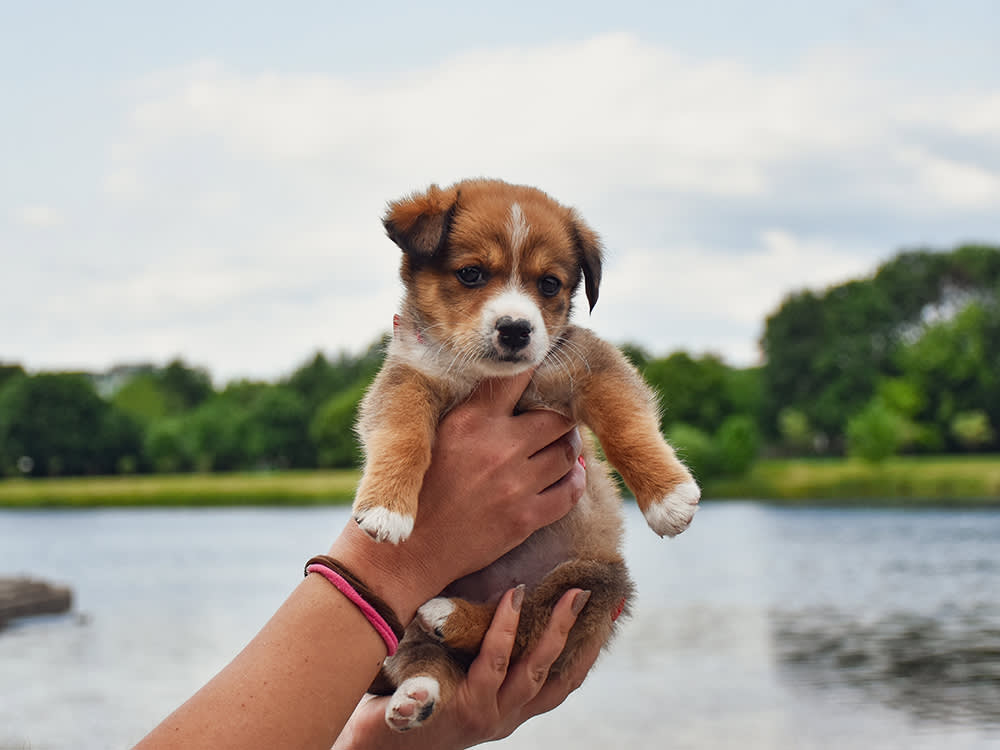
x=519 y=240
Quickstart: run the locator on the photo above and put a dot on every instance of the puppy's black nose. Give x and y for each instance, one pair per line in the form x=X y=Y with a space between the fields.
x=513 y=334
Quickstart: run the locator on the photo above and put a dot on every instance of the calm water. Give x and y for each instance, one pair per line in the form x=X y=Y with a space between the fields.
x=758 y=628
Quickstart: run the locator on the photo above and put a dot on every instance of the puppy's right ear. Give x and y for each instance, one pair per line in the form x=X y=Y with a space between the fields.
x=419 y=223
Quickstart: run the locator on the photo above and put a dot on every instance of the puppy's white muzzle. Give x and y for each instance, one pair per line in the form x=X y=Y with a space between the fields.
x=513 y=327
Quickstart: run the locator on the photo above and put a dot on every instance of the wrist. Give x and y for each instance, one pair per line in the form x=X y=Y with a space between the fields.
x=389 y=570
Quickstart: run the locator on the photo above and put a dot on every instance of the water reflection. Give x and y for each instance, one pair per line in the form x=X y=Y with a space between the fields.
x=943 y=668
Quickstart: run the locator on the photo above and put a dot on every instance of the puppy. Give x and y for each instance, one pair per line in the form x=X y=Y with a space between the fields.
x=490 y=270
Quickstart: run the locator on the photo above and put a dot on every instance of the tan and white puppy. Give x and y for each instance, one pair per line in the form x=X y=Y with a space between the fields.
x=490 y=270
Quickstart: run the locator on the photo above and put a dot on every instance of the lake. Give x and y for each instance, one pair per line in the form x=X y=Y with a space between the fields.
x=759 y=628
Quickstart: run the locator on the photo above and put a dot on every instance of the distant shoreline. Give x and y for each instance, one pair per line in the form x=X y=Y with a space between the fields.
x=184 y=490
x=906 y=481
x=900 y=481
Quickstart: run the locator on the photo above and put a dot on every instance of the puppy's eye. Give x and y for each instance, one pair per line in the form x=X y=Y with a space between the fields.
x=549 y=286
x=471 y=276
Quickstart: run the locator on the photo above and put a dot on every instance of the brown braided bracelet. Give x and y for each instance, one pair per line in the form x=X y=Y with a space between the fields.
x=384 y=610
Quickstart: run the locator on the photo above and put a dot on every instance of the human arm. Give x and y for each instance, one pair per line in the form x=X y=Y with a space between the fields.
x=494 y=479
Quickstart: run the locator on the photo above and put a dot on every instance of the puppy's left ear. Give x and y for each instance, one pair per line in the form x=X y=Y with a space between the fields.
x=590 y=253
x=419 y=223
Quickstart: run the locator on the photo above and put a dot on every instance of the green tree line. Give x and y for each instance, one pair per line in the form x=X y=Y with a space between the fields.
x=905 y=360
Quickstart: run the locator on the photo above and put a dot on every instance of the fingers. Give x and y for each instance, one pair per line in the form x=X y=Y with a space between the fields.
x=528 y=677
x=557 y=689
x=555 y=479
x=555 y=459
x=489 y=670
x=536 y=430
x=499 y=396
x=569 y=443
x=564 y=493
x=498 y=696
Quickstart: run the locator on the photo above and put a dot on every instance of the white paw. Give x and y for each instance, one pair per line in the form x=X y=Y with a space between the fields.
x=384 y=525
x=412 y=703
x=671 y=515
x=432 y=616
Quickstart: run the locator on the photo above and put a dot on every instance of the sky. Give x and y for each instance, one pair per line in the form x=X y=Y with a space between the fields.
x=206 y=180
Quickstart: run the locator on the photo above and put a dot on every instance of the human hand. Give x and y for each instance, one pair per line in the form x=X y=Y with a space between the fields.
x=496 y=697
x=494 y=479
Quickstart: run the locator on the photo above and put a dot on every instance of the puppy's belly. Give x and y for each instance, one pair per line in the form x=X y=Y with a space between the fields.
x=528 y=563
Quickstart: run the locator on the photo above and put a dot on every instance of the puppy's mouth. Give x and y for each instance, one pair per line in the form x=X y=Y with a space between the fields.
x=499 y=364
x=506 y=357
x=493 y=353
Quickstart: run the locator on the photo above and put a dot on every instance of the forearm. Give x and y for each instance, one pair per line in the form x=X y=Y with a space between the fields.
x=293 y=686
x=495 y=479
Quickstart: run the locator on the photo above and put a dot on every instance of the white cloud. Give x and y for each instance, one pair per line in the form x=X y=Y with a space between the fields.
x=683 y=291
x=612 y=108
x=241 y=208
x=956 y=183
x=38 y=215
x=609 y=112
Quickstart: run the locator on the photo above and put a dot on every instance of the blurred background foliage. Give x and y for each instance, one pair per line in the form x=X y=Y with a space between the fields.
x=906 y=361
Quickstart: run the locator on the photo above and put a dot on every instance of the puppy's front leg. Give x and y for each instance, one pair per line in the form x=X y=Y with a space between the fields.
x=399 y=417
x=621 y=410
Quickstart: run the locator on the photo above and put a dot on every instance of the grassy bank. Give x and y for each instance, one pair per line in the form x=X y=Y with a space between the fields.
x=291 y=488
x=952 y=480
x=909 y=480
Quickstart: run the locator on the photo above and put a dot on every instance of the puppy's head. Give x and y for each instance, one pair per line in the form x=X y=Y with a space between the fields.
x=490 y=270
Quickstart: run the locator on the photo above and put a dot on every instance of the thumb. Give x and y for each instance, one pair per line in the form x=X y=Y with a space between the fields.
x=500 y=395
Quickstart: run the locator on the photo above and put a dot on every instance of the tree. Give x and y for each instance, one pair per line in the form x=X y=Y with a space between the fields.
x=316 y=380
x=692 y=391
x=955 y=364
x=168 y=446
x=737 y=444
x=694 y=447
x=972 y=429
x=214 y=437
x=143 y=397
x=9 y=372
x=796 y=433
x=184 y=387
x=278 y=430
x=60 y=423
x=876 y=432
x=332 y=429
x=792 y=341
x=743 y=391
x=319 y=378
x=826 y=353
x=730 y=451
x=121 y=441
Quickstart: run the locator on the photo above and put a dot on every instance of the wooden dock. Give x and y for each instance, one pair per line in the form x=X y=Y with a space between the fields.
x=27 y=597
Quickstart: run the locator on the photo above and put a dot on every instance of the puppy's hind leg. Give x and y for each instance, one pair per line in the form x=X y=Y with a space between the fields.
x=460 y=626
x=610 y=594
x=456 y=623
x=426 y=677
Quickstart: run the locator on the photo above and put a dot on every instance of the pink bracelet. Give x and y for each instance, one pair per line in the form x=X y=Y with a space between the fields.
x=376 y=620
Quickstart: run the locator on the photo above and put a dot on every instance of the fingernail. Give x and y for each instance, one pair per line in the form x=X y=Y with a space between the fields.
x=618 y=610
x=517 y=599
x=579 y=602
x=582 y=462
